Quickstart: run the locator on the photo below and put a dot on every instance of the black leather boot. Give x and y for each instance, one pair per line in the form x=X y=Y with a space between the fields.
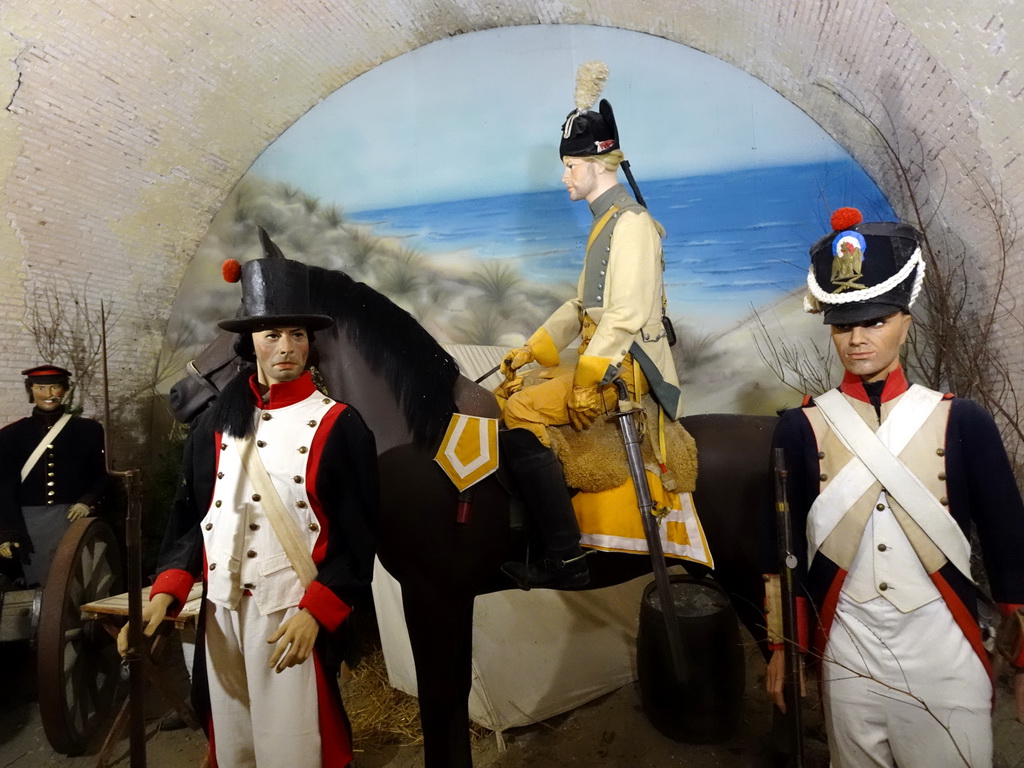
x=538 y=475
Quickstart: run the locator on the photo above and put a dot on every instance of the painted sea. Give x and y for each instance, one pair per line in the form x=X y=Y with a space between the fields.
x=736 y=241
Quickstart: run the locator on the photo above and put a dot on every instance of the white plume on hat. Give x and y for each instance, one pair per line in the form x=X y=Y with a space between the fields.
x=590 y=79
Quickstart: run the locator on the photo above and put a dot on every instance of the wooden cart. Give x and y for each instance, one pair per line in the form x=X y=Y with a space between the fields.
x=77 y=661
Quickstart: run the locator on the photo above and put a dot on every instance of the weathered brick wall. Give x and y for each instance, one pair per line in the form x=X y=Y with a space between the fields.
x=127 y=122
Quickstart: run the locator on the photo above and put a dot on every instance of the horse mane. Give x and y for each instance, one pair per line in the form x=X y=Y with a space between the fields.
x=417 y=370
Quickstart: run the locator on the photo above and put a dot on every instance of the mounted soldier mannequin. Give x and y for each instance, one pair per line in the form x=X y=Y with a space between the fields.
x=276 y=512
x=885 y=480
x=54 y=473
x=618 y=310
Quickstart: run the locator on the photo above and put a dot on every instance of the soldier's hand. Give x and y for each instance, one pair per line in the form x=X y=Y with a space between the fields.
x=78 y=511
x=584 y=405
x=514 y=360
x=775 y=679
x=294 y=638
x=1018 y=693
x=7 y=549
x=153 y=613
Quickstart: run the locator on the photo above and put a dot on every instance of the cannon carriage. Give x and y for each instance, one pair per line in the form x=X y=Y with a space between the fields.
x=77 y=664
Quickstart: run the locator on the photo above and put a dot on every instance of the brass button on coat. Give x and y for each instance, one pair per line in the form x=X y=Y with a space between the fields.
x=882 y=547
x=297 y=478
x=217 y=503
x=251 y=553
x=261 y=443
x=265 y=416
x=880 y=507
x=823 y=477
x=311 y=423
x=209 y=526
x=303 y=449
x=301 y=504
x=314 y=527
x=254 y=526
x=220 y=475
x=213 y=566
x=256 y=497
x=883 y=586
x=248 y=585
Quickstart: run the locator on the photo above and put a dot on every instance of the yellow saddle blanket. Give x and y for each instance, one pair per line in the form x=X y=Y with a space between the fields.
x=594 y=461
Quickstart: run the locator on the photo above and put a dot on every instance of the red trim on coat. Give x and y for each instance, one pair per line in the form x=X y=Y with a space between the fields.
x=828 y=614
x=283 y=393
x=327 y=608
x=965 y=620
x=895 y=385
x=335 y=740
x=176 y=583
x=316 y=450
x=213 y=744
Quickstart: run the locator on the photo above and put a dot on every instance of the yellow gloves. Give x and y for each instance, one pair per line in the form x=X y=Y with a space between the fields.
x=514 y=360
x=584 y=405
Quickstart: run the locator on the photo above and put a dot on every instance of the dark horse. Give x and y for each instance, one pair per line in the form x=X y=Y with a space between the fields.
x=380 y=360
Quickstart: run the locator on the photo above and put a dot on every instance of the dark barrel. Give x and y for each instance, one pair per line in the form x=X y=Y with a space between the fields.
x=703 y=707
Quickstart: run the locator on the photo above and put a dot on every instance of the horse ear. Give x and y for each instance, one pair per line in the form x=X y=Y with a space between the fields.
x=270 y=249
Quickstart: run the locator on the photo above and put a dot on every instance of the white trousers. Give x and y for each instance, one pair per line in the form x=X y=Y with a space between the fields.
x=904 y=689
x=260 y=717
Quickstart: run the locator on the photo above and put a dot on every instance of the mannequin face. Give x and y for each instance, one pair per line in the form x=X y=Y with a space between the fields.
x=581 y=178
x=281 y=354
x=871 y=349
x=48 y=397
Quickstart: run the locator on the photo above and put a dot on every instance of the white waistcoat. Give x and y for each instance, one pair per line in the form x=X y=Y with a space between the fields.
x=242 y=551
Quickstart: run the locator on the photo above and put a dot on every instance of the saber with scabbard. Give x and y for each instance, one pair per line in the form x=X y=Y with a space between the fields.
x=132 y=664
x=638 y=473
x=788 y=563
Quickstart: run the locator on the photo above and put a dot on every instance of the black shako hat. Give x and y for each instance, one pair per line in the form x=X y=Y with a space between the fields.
x=47 y=374
x=589 y=133
x=275 y=292
x=585 y=132
x=864 y=270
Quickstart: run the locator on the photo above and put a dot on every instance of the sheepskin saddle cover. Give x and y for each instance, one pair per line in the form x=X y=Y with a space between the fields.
x=594 y=460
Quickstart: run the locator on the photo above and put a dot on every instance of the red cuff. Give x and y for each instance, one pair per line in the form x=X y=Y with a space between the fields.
x=175 y=583
x=1005 y=609
x=327 y=608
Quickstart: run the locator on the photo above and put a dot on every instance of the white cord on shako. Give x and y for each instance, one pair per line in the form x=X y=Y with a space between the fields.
x=915 y=260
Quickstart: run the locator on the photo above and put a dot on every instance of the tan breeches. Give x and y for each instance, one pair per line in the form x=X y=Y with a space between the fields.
x=542 y=405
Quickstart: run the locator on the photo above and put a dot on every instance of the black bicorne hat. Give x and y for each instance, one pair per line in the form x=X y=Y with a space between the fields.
x=864 y=270
x=47 y=374
x=275 y=292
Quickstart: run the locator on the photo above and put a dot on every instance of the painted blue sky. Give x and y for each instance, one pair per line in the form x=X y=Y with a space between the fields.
x=480 y=114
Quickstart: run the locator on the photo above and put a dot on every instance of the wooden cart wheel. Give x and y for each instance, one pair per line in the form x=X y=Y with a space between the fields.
x=77 y=662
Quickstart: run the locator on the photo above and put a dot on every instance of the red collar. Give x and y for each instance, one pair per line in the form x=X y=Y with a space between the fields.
x=284 y=393
x=895 y=385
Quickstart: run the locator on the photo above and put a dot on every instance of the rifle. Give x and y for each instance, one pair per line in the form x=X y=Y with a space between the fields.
x=788 y=562
x=132 y=664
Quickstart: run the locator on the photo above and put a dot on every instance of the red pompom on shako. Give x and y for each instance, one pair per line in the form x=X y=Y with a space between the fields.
x=231 y=270
x=845 y=218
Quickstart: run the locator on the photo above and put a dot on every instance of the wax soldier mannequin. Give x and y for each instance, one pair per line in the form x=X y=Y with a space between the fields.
x=885 y=481
x=276 y=512
x=618 y=310
x=54 y=472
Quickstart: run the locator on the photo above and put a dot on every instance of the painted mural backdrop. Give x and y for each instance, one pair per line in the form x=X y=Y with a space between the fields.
x=435 y=179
